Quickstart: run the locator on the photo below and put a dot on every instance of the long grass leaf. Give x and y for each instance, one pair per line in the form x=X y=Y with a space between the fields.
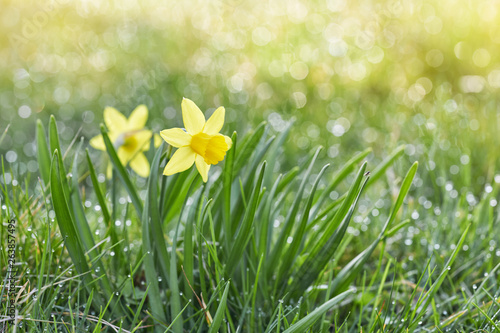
x=219 y=314
x=43 y=152
x=308 y=321
x=122 y=173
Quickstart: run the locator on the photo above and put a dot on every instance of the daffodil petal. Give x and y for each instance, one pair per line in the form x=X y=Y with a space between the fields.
x=157 y=140
x=215 y=122
x=176 y=137
x=193 y=118
x=114 y=120
x=124 y=155
x=202 y=167
x=229 y=142
x=143 y=139
x=97 y=142
x=140 y=165
x=182 y=160
x=138 y=118
x=109 y=170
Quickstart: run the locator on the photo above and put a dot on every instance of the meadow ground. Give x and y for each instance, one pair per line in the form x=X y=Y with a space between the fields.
x=353 y=186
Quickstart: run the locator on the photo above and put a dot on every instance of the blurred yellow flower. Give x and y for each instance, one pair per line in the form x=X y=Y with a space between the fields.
x=129 y=138
x=201 y=143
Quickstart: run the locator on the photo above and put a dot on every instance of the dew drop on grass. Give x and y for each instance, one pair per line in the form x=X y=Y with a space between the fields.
x=159 y=278
x=112 y=254
x=474 y=287
x=289 y=240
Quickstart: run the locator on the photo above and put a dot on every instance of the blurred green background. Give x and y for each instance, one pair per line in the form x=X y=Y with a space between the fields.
x=353 y=74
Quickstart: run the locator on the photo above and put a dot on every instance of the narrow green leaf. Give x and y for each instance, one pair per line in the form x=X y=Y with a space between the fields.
x=424 y=301
x=298 y=238
x=155 y=301
x=248 y=147
x=243 y=234
x=67 y=225
x=308 y=321
x=351 y=270
x=327 y=245
x=219 y=315
x=43 y=152
x=100 y=197
x=380 y=169
x=175 y=301
x=154 y=216
x=227 y=186
x=273 y=155
x=122 y=173
x=285 y=232
x=339 y=177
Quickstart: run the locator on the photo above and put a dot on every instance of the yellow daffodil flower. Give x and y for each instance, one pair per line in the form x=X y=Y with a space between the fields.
x=201 y=143
x=129 y=138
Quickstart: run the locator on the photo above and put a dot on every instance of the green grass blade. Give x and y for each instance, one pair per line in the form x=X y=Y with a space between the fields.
x=155 y=301
x=380 y=169
x=155 y=222
x=227 y=186
x=290 y=255
x=327 y=246
x=67 y=225
x=100 y=198
x=243 y=234
x=219 y=315
x=248 y=147
x=43 y=153
x=308 y=321
x=290 y=219
x=351 y=270
x=339 y=177
x=122 y=173
x=429 y=295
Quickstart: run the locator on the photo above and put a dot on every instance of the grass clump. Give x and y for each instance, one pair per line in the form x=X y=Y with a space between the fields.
x=248 y=251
